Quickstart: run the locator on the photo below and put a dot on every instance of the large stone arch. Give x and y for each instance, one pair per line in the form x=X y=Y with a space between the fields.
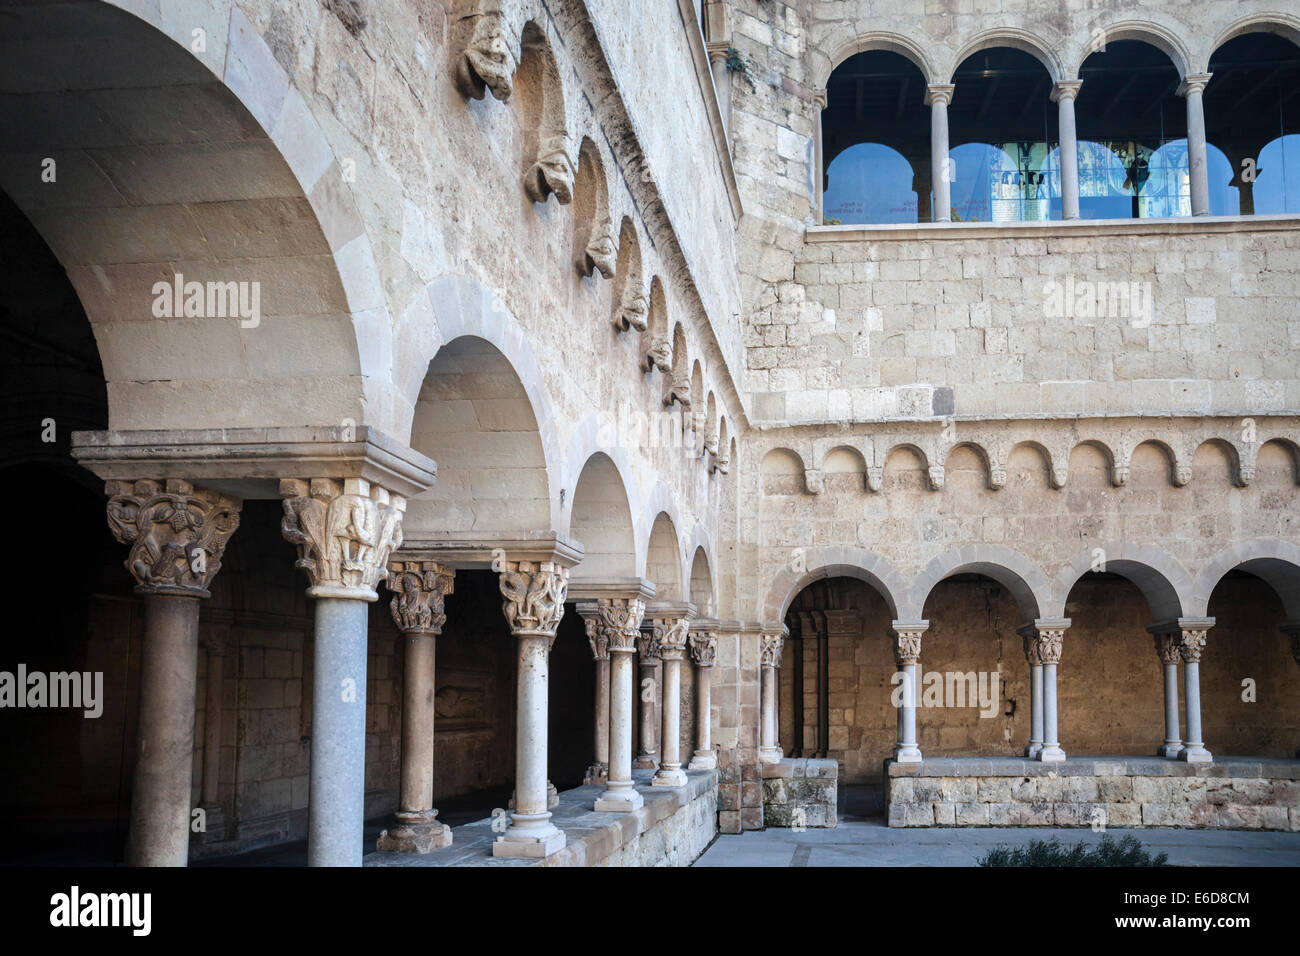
x=1163 y=581
x=1016 y=39
x=212 y=167
x=1162 y=32
x=601 y=520
x=905 y=46
x=454 y=307
x=1284 y=25
x=663 y=561
x=833 y=562
x=703 y=568
x=1277 y=563
x=1023 y=578
x=587 y=442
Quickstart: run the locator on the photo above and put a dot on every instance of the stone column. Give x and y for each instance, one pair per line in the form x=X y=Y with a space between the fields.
x=177 y=534
x=1051 y=634
x=1197 y=167
x=210 y=791
x=819 y=157
x=620 y=620
x=1292 y=630
x=823 y=684
x=598 y=638
x=704 y=652
x=534 y=595
x=420 y=589
x=670 y=637
x=769 y=652
x=1064 y=94
x=1167 y=651
x=1029 y=637
x=721 y=81
x=1191 y=641
x=648 y=687
x=344 y=530
x=907 y=656
x=938 y=97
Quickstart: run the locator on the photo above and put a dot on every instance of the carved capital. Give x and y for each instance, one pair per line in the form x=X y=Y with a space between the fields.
x=551 y=172
x=487 y=63
x=177 y=533
x=1029 y=642
x=670 y=637
x=938 y=93
x=534 y=595
x=344 y=530
x=419 y=591
x=1049 y=644
x=1167 y=648
x=1191 y=641
x=769 y=649
x=620 y=619
x=647 y=647
x=704 y=648
x=597 y=637
x=907 y=643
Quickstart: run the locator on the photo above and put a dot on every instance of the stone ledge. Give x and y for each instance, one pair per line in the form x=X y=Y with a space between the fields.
x=596 y=839
x=801 y=792
x=1052 y=228
x=1263 y=767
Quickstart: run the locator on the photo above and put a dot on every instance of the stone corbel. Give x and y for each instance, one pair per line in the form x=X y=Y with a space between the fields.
x=997 y=478
x=680 y=391
x=935 y=474
x=659 y=355
x=1119 y=473
x=551 y=172
x=488 y=62
x=812 y=479
x=601 y=253
x=721 y=462
x=875 y=477
x=634 y=311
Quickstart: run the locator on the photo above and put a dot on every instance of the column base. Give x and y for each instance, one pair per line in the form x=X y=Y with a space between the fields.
x=529 y=842
x=1034 y=749
x=597 y=775
x=907 y=754
x=708 y=760
x=414 y=838
x=623 y=800
x=769 y=754
x=1169 y=749
x=665 y=777
x=1195 y=754
x=1051 y=753
x=645 y=762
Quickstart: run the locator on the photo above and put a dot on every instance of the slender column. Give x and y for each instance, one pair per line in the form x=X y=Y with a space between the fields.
x=1190 y=644
x=419 y=591
x=648 y=687
x=1167 y=650
x=819 y=157
x=598 y=638
x=906 y=639
x=1029 y=637
x=177 y=534
x=769 y=653
x=1064 y=93
x=344 y=530
x=534 y=595
x=210 y=789
x=1292 y=630
x=670 y=636
x=797 y=632
x=1192 y=88
x=938 y=97
x=721 y=81
x=704 y=652
x=620 y=620
x=1051 y=635
x=823 y=684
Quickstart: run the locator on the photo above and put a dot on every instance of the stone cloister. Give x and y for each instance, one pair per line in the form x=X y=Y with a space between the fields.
x=505 y=449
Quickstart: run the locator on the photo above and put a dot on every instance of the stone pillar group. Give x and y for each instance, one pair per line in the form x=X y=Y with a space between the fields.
x=620 y=619
x=906 y=639
x=1051 y=636
x=704 y=652
x=769 y=660
x=670 y=638
x=1191 y=641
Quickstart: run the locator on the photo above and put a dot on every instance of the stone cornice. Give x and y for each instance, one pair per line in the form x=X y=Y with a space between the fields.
x=1052 y=228
x=487 y=550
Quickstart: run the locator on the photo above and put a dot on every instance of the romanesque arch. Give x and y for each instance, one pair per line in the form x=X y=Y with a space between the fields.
x=814 y=564
x=1021 y=577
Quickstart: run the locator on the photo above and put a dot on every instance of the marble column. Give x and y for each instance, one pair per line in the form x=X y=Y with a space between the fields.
x=420 y=589
x=769 y=653
x=704 y=652
x=906 y=639
x=534 y=595
x=1167 y=651
x=670 y=637
x=648 y=697
x=177 y=534
x=1192 y=88
x=1029 y=637
x=937 y=97
x=1051 y=635
x=344 y=530
x=620 y=620
x=1191 y=641
x=214 y=824
x=598 y=638
x=1064 y=94
x=721 y=81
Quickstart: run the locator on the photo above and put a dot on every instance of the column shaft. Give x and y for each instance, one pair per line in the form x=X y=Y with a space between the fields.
x=941 y=172
x=1069 y=150
x=1051 y=751
x=1173 y=743
x=212 y=729
x=1198 y=168
x=670 y=772
x=1035 y=711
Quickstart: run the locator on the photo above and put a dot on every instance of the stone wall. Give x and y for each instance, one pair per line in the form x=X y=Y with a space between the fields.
x=800 y=792
x=1097 y=792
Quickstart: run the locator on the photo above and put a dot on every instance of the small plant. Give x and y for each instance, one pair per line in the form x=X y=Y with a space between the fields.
x=1127 y=852
x=831 y=222
x=736 y=63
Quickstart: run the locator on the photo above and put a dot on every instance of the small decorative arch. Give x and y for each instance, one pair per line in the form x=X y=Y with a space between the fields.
x=601 y=520
x=702 y=589
x=782 y=469
x=1162 y=37
x=631 y=307
x=659 y=344
x=540 y=97
x=904 y=46
x=1279 y=24
x=1023 y=578
x=1277 y=563
x=1016 y=39
x=1056 y=468
x=815 y=564
x=985 y=460
x=1238 y=475
x=1113 y=463
x=1162 y=580
x=1165 y=449
x=593 y=231
x=663 y=564
x=697 y=397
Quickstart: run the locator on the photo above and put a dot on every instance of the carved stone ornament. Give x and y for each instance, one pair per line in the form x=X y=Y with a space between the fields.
x=534 y=597
x=1030 y=643
x=670 y=635
x=635 y=311
x=704 y=648
x=769 y=649
x=597 y=637
x=722 y=463
x=680 y=391
x=648 y=648
x=419 y=591
x=907 y=644
x=552 y=172
x=601 y=253
x=344 y=530
x=620 y=619
x=1049 y=644
x=176 y=532
x=487 y=63
x=1167 y=648
x=1191 y=644
x=659 y=355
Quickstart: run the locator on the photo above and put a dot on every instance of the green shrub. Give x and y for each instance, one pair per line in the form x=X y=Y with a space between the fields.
x=1127 y=852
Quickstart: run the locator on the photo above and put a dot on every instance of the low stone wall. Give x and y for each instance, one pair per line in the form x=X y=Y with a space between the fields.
x=672 y=829
x=1229 y=794
x=800 y=791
